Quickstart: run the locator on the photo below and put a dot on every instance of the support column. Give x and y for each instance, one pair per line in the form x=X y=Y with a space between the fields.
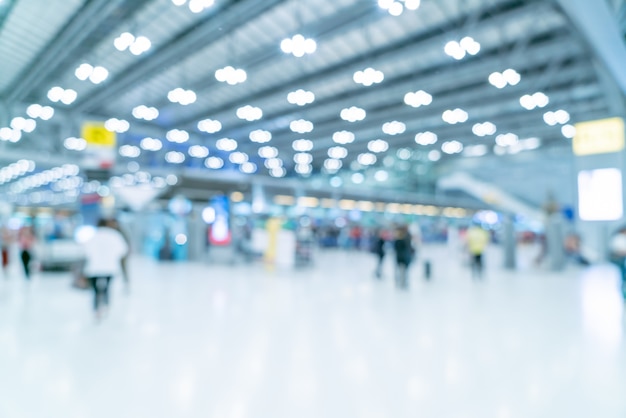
x=554 y=242
x=510 y=243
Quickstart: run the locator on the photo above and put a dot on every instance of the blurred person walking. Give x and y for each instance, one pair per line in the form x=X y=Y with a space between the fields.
x=26 y=242
x=103 y=254
x=114 y=224
x=617 y=249
x=6 y=240
x=378 y=248
x=403 y=245
x=477 y=240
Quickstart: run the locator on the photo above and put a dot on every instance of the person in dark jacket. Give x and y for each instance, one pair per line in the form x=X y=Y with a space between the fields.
x=378 y=248
x=404 y=255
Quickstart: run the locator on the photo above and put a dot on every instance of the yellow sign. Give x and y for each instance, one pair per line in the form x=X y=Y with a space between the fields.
x=96 y=134
x=599 y=136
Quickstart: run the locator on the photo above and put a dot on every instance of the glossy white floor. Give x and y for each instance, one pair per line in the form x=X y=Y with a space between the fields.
x=193 y=340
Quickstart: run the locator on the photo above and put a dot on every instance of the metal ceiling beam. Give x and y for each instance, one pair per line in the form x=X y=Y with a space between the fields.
x=5 y=11
x=447 y=75
x=491 y=103
x=506 y=121
x=447 y=81
x=207 y=31
x=597 y=25
x=91 y=17
x=341 y=22
x=310 y=186
x=499 y=14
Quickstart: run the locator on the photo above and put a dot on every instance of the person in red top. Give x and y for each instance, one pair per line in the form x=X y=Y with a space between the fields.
x=5 y=243
x=26 y=242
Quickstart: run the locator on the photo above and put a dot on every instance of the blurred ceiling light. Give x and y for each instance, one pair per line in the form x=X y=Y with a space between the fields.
x=209 y=126
x=260 y=136
x=368 y=76
x=182 y=96
x=174 y=157
x=357 y=178
x=394 y=128
x=9 y=134
x=214 y=163
x=508 y=139
x=278 y=172
x=458 y=50
x=75 y=144
x=231 y=75
x=454 y=116
x=434 y=155
x=249 y=113
x=301 y=97
x=198 y=6
x=95 y=74
x=381 y=175
x=426 y=138
x=59 y=94
x=560 y=117
x=366 y=159
x=532 y=101
x=16 y=169
x=568 y=131
x=301 y=126
x=272 y=163
x=195 y=6
x=484 y=129
x=403 y=154
x=29 y=125
x=418 y=98
x=298 y=45
x=38 y=111
x=303 y=169
x=268 y=152
x=530 y=143
x=343 y=137
x=302 y=158
x=129 y=151
x=123 y=41
x=332 y=164
x=336 y=182
x=452 y=147
x=518 y=146
x=171 y=179
x=136 y=45
x=248 y=168
x=378 y=145
x=198 y=151
x=151 y=144
x=226 y=144
x=117 y=125
x=475 y=150
x=337 y=152
x=177 y=136
x=145 y=112
x=352 y=114
x=302 y=145
x=396 y=7
x=507 y=77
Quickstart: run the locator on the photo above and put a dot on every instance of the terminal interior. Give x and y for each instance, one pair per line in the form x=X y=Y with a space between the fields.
x=260 y=156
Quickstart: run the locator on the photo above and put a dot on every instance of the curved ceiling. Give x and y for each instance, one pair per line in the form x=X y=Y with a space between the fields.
x=43 y=42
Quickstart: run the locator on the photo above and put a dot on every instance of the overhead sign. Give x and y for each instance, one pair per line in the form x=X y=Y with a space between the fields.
x=96 y=134
x=599 y=137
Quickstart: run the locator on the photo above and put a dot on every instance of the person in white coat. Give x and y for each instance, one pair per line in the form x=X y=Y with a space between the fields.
x=103 y=254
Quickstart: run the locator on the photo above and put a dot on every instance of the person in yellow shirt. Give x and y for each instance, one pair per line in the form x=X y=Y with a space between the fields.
x=477 y=240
